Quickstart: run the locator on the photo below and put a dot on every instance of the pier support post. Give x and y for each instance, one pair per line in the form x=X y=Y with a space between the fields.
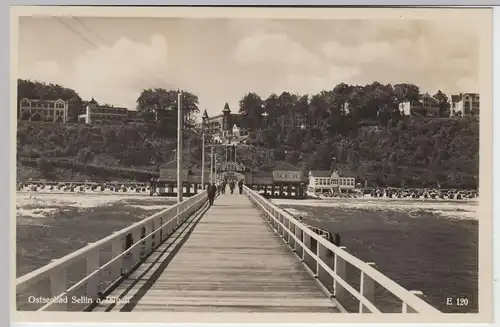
x=339 y=269
x=367 y=289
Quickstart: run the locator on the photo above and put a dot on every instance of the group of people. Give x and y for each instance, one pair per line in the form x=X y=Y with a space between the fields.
x=219 y=187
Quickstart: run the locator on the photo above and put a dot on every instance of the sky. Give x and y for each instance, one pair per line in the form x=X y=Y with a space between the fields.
x=220 y=60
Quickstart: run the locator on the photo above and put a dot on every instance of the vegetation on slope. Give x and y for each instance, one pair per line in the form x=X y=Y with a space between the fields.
x=371 y=141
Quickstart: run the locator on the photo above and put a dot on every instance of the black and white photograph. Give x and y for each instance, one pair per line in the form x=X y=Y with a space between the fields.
x=321 y=163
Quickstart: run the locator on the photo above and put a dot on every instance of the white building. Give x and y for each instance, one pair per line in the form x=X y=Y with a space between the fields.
x=427 y=105
x=43 y=110
x=342 y=183
x=326 y=181
x=95 y=114
x=464 y=104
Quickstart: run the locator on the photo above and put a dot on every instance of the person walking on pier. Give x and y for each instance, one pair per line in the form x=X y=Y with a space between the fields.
x=212 y=189
x=240 y=186
x=231 y=186
x=223 y=186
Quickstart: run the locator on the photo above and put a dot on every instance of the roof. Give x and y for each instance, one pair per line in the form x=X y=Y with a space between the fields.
x=93 y=101
x=262 y=174
x=285 y=166
x=205 y=114
x=226 y=108
x=320 y=173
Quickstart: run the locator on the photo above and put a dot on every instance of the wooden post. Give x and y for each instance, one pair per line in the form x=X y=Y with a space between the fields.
x=407 y=309
x=180 y=127
x=136 y=252
x=324 y=277
x=367 y=289
x=288 y=237
x=298 y=234
x=92 y=266
x=58 y=284
x=339 y=269
x=117 y=248
x=306 y=239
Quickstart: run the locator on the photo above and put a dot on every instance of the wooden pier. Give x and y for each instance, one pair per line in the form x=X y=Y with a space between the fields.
x=243 y=254
x=231 y=260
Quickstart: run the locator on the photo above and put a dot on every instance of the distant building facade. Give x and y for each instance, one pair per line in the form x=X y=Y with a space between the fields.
x=427 y=105
x=43 y=110
x=464 y=104
x=225 y=126
x=95 y=114
x=325 y=181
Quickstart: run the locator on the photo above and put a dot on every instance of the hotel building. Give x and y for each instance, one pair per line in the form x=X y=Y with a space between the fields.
x=55 y=111
x=95 y=114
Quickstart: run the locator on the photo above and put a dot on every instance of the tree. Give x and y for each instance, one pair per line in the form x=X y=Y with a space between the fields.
x=405 y=92
x=271 y=107
x=38 y=90
x=161 y=105
x=444 y=104
x=251 y=106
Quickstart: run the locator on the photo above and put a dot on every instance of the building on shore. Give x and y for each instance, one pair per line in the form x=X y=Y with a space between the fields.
x=464 y=104
x=54 y=111
x=329 y=181
x=427 y=106
x=95 y=114
x=223 y=125
x=226 y=126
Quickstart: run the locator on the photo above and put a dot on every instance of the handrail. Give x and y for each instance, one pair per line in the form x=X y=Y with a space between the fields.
x=283 y=222
x=149 y=232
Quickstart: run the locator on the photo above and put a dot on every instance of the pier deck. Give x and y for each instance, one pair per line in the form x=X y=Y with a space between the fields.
x=227 y=259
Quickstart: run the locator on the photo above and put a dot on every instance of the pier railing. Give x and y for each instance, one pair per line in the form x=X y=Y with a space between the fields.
x=327 y=263
x=79 y=279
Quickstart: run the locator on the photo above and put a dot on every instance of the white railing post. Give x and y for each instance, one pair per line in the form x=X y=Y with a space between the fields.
x=339 y=269
x=92 y=266
x=307 y=244
x=178 y=215
x=298 y=234
x=367 y=290
x=326 y=256
x=292 y=228
x=406 y=308
x=117 y=248
x=287 y=232
x=136 y=252
x=59 y=284
x=160 y=233
x=148 y=241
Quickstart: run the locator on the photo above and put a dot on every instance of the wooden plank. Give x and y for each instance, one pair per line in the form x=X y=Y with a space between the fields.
x=229 y=260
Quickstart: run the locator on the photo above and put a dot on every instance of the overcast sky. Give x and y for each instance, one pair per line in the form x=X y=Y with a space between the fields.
x=113 y=59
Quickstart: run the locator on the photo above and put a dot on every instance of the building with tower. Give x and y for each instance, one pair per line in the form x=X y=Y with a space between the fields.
x=225 y=127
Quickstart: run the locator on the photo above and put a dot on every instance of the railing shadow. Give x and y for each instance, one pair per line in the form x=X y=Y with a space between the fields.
x=159 y=270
